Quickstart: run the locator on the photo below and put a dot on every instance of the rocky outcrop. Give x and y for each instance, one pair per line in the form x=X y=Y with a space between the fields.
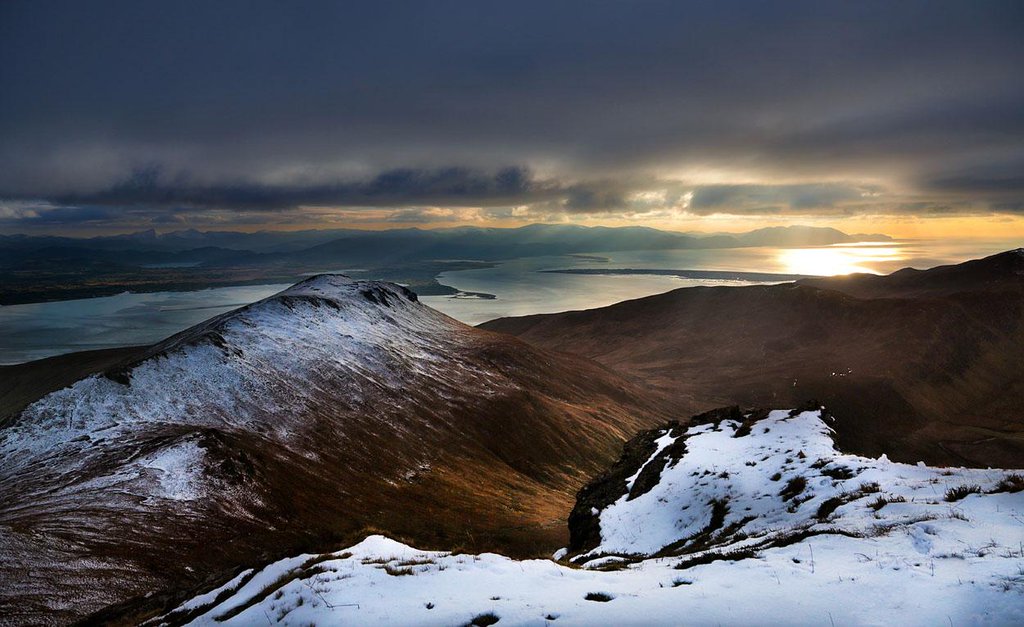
x=638 y=470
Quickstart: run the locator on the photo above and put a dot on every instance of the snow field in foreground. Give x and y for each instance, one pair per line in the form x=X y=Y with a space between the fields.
x=893 y=550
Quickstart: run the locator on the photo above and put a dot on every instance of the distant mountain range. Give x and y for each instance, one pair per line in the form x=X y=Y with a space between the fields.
x=35 y=269
x=496 y=242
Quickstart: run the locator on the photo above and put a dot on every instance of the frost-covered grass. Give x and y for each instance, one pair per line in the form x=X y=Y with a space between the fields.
x=716 y=541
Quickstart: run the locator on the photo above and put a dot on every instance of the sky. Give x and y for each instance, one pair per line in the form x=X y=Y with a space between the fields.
x=897 y=117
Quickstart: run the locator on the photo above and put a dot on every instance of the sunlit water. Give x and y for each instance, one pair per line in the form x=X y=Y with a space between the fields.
x=44 y=329
x=841 y=259
x=522 y=288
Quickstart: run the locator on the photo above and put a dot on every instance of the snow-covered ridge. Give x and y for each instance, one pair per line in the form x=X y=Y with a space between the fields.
x=750 y=521
x=334 y=290
x=741 y=486
x=255 y=367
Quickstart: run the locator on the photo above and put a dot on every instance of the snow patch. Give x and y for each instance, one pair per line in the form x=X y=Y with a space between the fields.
x=180 y=469
x=782 y=478
x=916 y=559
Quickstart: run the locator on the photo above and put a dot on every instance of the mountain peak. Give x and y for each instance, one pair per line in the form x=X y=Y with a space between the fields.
x=339 y=287
x=349 y=303
x=332 y=406
x=1016 y=255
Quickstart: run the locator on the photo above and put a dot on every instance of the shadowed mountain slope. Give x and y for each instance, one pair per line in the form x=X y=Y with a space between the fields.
x=298 y=421
x=921 y=365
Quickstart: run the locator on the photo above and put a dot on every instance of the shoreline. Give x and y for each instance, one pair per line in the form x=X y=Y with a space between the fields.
x=724 y=275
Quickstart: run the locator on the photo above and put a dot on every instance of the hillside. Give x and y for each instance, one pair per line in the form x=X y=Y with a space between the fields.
x=738 y=518
x=297 y=422
x=922 y=365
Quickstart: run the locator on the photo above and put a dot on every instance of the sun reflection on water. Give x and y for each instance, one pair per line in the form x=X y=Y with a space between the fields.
x=871 y=257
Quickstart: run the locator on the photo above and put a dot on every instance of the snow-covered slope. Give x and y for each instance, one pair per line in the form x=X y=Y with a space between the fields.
x=327 y=408
x=738 y=519
x=734 y=486
x=250 y=364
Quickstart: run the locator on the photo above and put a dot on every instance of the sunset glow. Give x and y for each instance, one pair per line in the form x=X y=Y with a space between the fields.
x=843 y=259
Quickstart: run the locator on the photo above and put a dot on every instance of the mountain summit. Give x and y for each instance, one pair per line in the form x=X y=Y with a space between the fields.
x=331 y=407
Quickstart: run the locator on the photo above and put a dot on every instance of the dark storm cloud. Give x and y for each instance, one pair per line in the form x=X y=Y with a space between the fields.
x=1005 y=175
x=594 y=198
x=981 y=184
x=52 y=216
x=450 y=186
x=749 y=198
x=273 y=105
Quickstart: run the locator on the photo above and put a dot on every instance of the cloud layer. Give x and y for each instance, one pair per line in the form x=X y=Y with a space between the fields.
x=202 y=110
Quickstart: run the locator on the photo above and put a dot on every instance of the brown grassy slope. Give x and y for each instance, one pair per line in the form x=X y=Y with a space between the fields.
x=921 y=365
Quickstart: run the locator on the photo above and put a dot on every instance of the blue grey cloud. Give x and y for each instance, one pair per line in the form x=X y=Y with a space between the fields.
x=399 y=187
x=269 y=106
